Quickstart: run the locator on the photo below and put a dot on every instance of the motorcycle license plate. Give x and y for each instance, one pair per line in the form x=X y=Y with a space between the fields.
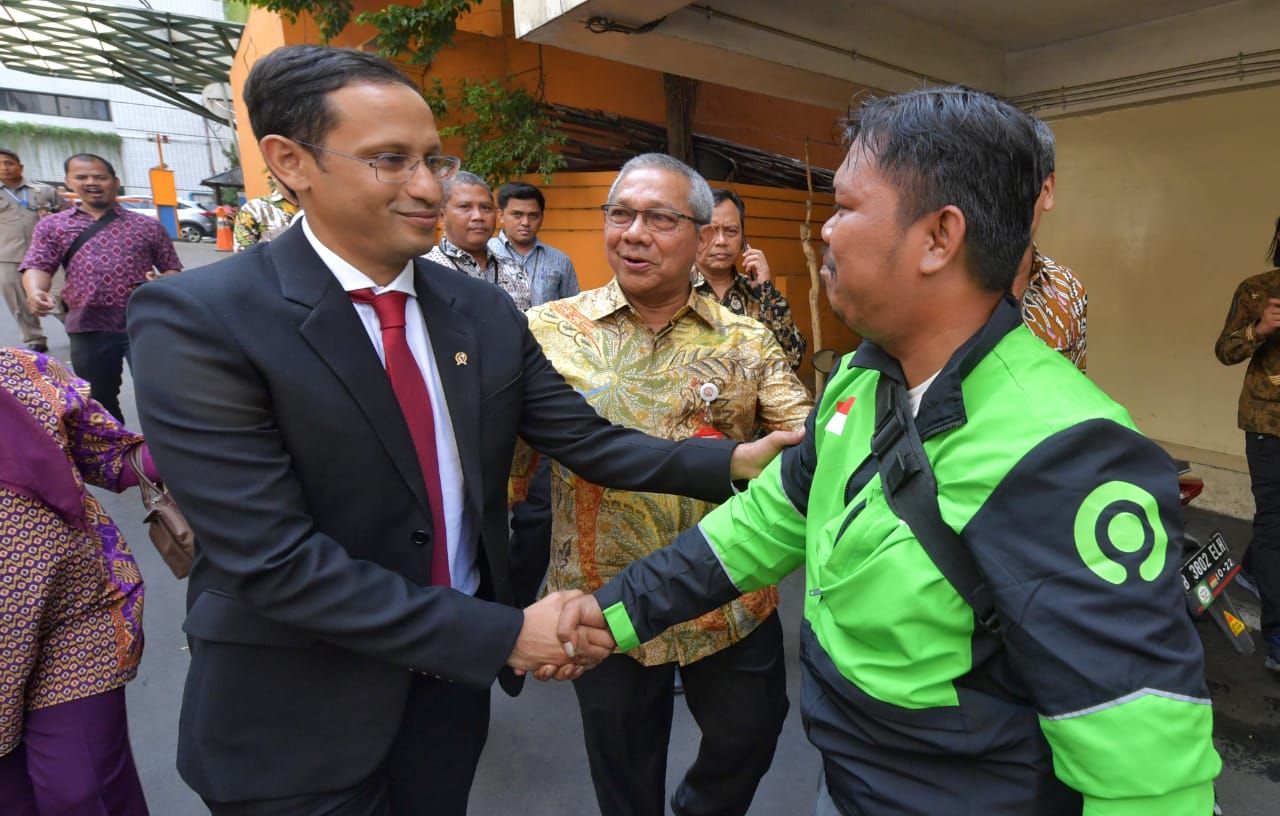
x=1206 y=573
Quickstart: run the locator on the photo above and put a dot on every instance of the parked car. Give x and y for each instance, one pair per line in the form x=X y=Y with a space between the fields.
x=195 y=223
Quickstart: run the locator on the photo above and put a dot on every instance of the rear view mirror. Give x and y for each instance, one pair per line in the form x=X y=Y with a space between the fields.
x=825 y=359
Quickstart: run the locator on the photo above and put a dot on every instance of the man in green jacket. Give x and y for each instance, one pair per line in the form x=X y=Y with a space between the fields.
x=1084 y=692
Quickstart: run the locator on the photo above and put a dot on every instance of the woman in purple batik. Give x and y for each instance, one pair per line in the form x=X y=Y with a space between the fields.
x=70 y=598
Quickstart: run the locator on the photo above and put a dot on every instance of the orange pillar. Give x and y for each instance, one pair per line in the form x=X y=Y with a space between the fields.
x=224 y=229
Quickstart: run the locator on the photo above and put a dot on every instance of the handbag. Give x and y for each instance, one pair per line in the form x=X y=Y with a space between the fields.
x=167 y=527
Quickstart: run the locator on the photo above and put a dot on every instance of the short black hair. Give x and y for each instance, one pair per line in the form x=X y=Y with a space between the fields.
x=287 y=90
x=521 y=191
x=1048 y=147
x=1274 y=251
x=720 y=195
x=4 y=151
x=90 y=157
x=958 y=146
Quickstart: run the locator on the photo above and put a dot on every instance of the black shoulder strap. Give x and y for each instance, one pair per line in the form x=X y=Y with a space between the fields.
x=83 y=238
x=912 y=493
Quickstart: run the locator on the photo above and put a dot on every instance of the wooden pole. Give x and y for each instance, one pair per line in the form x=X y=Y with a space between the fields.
x=815 y=282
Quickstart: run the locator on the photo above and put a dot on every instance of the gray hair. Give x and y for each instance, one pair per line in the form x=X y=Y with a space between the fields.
x=1047 y=146
x=464 y=179
x=700 y=201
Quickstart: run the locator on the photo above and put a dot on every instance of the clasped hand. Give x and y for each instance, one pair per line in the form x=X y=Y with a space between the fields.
x=560 y=638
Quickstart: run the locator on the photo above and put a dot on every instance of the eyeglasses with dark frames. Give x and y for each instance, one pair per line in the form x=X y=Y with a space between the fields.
x=655 y=218
x=397 y=168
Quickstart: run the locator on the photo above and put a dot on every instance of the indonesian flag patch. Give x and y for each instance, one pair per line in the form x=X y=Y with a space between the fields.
x=835 y=425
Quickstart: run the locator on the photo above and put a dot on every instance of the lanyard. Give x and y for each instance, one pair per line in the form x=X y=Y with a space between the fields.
x=23 y=201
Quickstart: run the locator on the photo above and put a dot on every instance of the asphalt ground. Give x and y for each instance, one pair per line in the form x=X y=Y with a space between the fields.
x=534 y=762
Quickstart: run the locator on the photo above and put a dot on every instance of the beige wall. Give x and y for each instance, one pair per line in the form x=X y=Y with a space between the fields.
x=1162 y=209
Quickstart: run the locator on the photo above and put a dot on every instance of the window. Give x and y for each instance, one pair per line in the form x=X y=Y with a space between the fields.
x=79 y=107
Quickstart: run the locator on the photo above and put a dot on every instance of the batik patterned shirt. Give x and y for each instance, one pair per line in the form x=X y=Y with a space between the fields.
x=763 y=302
x=653 y=381
x=262 y=219
x=1055 y=306
x=71 y=605
x=504 y=272
x=106 y=269
x=1259 y=410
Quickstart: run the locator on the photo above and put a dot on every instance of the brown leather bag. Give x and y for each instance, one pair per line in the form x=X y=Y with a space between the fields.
x=168 y=528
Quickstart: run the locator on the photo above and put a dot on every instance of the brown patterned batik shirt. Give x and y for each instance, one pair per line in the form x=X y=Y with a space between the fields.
x=763 y=302
x=652 y=381
x=1055 y=306
x=1260 y=397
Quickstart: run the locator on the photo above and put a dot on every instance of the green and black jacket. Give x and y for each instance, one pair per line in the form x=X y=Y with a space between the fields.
x=1094 y=702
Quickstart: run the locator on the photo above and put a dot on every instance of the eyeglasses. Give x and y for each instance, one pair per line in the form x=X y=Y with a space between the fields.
x=658 y=220
x=729 y=232
x=397 y=168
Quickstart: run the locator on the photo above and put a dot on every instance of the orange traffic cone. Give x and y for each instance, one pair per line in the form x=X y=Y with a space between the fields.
x=224 y=229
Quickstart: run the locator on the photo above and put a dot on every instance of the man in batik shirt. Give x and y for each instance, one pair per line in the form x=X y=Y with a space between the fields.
x=469 y=218
x=125 y=250
x=1249 y=333
x=649 y=353
x=750 y=292
x=262 y=219
x=1055 y=304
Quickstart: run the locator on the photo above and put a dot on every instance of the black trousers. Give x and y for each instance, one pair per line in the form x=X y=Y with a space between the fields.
x=531 y=536
x=738 y=696
x=429 y=770
x=99 y=358
x=1262 y=559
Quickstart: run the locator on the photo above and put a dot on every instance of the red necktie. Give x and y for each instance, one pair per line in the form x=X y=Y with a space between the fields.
x=415 y=404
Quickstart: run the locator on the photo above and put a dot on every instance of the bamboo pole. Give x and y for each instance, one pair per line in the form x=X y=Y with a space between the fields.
x=815 y=283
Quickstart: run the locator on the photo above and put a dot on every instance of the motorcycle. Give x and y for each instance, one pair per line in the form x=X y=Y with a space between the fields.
x=1207 y=570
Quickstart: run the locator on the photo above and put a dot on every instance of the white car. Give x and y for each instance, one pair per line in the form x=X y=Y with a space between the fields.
x=195 y=223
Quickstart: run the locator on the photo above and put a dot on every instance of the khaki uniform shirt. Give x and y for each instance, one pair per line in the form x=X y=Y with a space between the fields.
x=20 y=209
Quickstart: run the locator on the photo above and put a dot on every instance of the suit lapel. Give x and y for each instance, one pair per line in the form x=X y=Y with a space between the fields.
x=336 y=334
x=453 y=343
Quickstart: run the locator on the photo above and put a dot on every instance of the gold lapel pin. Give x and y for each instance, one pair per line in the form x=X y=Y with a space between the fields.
x=460 y=358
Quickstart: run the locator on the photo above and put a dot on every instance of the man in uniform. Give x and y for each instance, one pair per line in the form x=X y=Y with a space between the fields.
x=994 y=620
x=21 y=205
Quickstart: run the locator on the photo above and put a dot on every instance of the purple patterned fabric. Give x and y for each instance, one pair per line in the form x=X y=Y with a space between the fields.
x=106 y=269
x=71 y=612
x=35 y=464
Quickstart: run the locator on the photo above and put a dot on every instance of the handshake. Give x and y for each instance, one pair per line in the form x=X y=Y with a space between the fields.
x=563 y=635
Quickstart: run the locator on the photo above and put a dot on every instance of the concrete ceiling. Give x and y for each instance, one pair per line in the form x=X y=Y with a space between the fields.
x=1016 y=25
x=1051 y=56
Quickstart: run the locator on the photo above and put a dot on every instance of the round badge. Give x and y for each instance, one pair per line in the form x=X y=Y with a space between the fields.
x=708 y=391
x=1206 y=597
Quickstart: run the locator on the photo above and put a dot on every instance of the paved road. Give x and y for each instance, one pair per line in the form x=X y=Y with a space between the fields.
x=535 y=763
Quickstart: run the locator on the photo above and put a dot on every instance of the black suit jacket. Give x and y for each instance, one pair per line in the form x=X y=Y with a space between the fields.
x=275 y=427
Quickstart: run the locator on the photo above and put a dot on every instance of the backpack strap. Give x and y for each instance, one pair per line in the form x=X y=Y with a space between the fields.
x=83 y=238
x=912 y=494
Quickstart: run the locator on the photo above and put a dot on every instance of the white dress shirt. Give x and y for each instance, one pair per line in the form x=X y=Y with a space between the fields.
x=463 y=570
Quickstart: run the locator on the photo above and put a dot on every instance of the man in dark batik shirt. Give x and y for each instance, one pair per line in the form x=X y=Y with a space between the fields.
x=750 y=292
x=127 y=250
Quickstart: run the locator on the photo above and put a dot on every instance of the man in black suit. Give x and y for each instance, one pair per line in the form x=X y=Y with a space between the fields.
x=336 y=666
